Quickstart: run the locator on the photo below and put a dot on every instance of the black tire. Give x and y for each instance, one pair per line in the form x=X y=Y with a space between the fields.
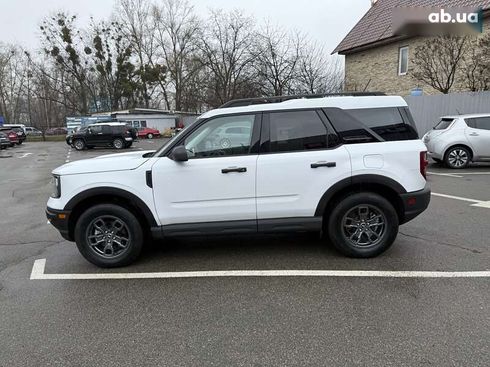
x=85 y=225
x=457 y=157
x=149 y=136
x=79 y=144
x=339 y=217
x=19 y=143
x=118 y=143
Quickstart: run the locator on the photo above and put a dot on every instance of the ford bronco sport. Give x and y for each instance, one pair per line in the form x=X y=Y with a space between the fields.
x=350 y=166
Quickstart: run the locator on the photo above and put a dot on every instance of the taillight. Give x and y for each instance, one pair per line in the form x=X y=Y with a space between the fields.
x=423 y=164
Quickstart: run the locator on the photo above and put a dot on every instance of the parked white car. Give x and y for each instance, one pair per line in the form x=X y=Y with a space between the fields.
x=352 y=167
x=459 y=140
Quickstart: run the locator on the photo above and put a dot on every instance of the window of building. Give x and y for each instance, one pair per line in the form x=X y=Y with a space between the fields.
x=403 y=61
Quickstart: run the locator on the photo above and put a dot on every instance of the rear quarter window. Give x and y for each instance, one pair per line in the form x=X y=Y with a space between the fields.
x=391 y=123
x=443 y=124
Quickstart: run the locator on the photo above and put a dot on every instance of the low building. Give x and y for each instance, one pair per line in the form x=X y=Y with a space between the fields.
x=137 y=117
x=378 y=60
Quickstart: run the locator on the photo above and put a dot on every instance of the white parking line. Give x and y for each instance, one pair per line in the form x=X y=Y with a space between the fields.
x=456 y=197
x=444 y=174
x=25 y=155
x=39 y=265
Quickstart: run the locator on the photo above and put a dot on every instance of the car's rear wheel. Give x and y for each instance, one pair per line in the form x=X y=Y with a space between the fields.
x=457 y=157
x=109 y=235
x=362 y=225
x=79 y=144
x=149 y=136
x=118 y=143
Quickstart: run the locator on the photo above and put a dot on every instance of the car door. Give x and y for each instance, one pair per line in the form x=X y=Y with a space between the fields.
x=478 y=134
x=216 y=184
x=94 y=135
x=301 y=161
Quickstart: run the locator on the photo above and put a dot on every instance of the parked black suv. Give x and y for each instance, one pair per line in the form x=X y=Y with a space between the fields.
x=116 y=135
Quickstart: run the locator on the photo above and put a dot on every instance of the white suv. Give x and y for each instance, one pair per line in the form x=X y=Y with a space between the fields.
x=350 y=166
x=458 y=140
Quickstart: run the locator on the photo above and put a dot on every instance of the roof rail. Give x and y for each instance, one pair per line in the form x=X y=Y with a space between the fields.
x=277 y=99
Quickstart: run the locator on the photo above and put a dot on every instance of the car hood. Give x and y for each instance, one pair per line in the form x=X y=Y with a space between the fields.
x=105 y=163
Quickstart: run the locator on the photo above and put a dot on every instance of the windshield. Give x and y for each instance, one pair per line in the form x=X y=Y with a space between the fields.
x=443 y=124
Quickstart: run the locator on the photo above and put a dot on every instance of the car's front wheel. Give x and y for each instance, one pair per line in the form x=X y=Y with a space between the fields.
x=457 y=157
x=109 y=236
x=79 y=144
x=362 y=225
x=118 y=143
x=149 y=136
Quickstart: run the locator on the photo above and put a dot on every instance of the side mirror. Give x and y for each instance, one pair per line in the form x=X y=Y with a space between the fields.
x=179 y=154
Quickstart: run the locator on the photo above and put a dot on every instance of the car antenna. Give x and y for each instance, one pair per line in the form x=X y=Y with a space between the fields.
x=459 y=113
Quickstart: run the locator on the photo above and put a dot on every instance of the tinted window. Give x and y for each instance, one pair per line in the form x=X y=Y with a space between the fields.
x=296 y=130
x=386 y=122
x=95 y=129
x=106 y=129
x=213 y=138
x=443 y=124
x=482 y=123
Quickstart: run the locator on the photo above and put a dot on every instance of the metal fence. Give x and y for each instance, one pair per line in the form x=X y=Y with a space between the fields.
x=427 y=110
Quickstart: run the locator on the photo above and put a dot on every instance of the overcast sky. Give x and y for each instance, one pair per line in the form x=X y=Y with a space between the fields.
x=326 y=21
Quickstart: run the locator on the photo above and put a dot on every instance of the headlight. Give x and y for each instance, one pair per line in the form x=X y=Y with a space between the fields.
x=56 y=186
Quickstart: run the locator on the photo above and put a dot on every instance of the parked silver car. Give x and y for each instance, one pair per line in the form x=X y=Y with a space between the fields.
x=459 y=140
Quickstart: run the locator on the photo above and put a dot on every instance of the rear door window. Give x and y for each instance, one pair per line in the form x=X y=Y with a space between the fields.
x=443 y=124
x=482 y=123
x=294 y=131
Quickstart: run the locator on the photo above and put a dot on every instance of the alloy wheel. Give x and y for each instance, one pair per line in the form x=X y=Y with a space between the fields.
x=108 y=236
x=458 y=157
x=364 y=226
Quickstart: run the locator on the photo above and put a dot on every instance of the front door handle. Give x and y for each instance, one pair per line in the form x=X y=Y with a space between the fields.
x=474 y=134
x=234 y=169
x=323 y=164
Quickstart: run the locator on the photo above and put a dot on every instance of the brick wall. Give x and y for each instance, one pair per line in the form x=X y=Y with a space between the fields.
x=376 y=69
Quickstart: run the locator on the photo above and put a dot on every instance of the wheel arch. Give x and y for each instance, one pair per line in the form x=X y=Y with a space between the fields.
x=84 y=200
x=382 y=185
x=454 y=145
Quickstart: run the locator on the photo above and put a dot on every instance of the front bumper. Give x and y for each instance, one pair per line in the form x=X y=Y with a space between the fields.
x=414 y=203
x=59 y=219
x=434 y=155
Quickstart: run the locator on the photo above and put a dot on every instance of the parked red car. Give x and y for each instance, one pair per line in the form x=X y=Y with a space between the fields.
x=148 y=132
x=12 y=135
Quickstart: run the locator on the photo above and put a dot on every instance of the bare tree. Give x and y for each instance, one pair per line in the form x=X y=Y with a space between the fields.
x=225 y=52
x=134 y=18
x=438 y=61
x=177 y=33
x=276 y=56
x=13 y=79
x=317 y=73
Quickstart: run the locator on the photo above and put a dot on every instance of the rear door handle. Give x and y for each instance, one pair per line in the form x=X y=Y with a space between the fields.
x=323 y=164
x=474 y=134
x=234 y=169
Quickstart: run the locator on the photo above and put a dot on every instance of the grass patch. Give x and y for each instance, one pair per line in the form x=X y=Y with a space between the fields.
x=48 y=138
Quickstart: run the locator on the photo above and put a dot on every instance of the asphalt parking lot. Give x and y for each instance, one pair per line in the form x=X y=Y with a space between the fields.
x=245 y=321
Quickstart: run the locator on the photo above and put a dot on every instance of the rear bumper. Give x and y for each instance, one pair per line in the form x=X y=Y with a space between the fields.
x=434 y=155
x=59 y=220
x=415 y=203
